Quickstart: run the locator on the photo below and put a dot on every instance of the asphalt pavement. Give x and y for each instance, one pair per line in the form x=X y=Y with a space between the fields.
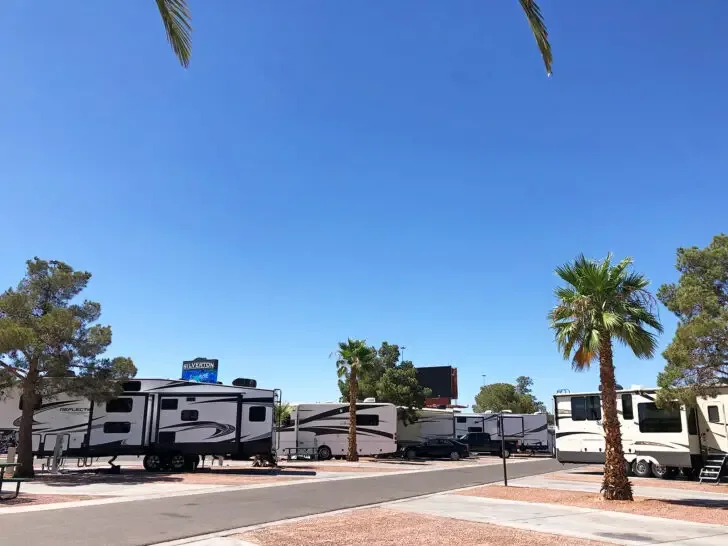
x=151 y=521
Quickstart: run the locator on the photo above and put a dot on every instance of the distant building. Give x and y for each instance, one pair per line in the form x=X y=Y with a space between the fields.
x=442 y=381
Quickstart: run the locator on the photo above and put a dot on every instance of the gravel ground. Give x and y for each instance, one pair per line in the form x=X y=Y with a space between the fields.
x=380 y=527
x=697 y=511
x=31 y=500
x=592 y=477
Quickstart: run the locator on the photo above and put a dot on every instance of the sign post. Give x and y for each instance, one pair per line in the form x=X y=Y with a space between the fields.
x=503 y=450
x=202 y=370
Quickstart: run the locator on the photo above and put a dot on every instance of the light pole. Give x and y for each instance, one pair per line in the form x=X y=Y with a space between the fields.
x=401 y=352
x=484 y=380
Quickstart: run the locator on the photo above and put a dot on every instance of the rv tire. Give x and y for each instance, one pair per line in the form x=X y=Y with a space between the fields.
x=411 y=454
x=642 y=469
x=176 y=462
x=324 y=453
x=152 y=463
x=454 y=456
x=664 y=472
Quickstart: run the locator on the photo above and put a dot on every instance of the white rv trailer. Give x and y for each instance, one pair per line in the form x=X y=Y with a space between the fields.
x=655 y=440
x=431 y=423
x=170 y=422
x=530 y=430
x=323 y=430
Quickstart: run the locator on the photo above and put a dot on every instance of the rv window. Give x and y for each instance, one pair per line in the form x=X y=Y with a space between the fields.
x=713 y=414
x=475 y=429
x=119 y=405
x=627 y=411
x=189 y=415
x=593 y=409
x=692 y=422
x=132 y=386
x=367 y=420
x=38 y=403
x=654 y=419
x=117 y=427
x=578 y=408
x=170 y=403
x=256 y=414
x=462 y=420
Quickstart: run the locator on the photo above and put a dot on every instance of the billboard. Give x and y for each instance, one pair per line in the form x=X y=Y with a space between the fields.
x=202 y=370
x=441 y=380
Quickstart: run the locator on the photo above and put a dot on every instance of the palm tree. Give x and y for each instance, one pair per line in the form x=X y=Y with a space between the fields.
x=601 y=302
x=352 y=356
x=176 y=19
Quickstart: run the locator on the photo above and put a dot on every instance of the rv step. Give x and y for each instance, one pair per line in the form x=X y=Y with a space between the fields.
x=713 y=469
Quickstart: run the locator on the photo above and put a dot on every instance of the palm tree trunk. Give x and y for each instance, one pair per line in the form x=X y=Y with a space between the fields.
x=615 y=485
x=353 y=455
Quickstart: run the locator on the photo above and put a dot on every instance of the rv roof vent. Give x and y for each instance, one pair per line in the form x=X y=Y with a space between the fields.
x=636 y=388
x=370 y=400
x=507 y=411
x=488 y=411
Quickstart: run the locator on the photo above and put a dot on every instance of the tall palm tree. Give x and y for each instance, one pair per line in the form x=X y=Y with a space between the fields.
x=176 y=19
x=352 y=356
x=601 y=302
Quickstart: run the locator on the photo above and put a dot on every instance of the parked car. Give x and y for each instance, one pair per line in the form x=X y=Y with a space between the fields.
x=481 y=442
x=438 y=448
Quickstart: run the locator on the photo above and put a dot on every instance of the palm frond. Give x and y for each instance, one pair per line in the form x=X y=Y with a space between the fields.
x=538 y=27
x=176 y=18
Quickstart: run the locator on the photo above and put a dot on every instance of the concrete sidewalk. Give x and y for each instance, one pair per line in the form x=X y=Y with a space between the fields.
x=605 y=526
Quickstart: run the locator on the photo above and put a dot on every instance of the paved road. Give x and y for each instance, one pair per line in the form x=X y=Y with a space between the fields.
x=150 y=521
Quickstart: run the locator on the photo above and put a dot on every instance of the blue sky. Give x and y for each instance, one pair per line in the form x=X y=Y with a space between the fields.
x=398 y=171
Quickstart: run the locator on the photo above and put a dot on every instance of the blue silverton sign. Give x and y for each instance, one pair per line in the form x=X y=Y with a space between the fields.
x=202 y=370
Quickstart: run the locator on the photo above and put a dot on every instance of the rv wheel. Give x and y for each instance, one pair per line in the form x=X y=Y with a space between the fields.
x=506 y=454
x=663 y=472
x=177 y=462
x=152 y=463
x=454 y=456
x=324 y=453
x=641 y=469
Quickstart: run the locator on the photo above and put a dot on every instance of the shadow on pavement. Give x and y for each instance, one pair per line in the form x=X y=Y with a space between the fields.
x=700 y=503
x=138 y=476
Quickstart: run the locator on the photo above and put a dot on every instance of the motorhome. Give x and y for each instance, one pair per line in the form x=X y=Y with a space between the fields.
x=431 y=423
x=530 y=430
x=656 y=441
x=171 y=423
x=322 y=430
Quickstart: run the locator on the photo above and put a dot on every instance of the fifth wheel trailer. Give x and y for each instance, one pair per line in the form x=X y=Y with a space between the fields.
x=431 y=423
x=323 y=430
x=656 y=441
x=171 y=423
x=530 y=430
